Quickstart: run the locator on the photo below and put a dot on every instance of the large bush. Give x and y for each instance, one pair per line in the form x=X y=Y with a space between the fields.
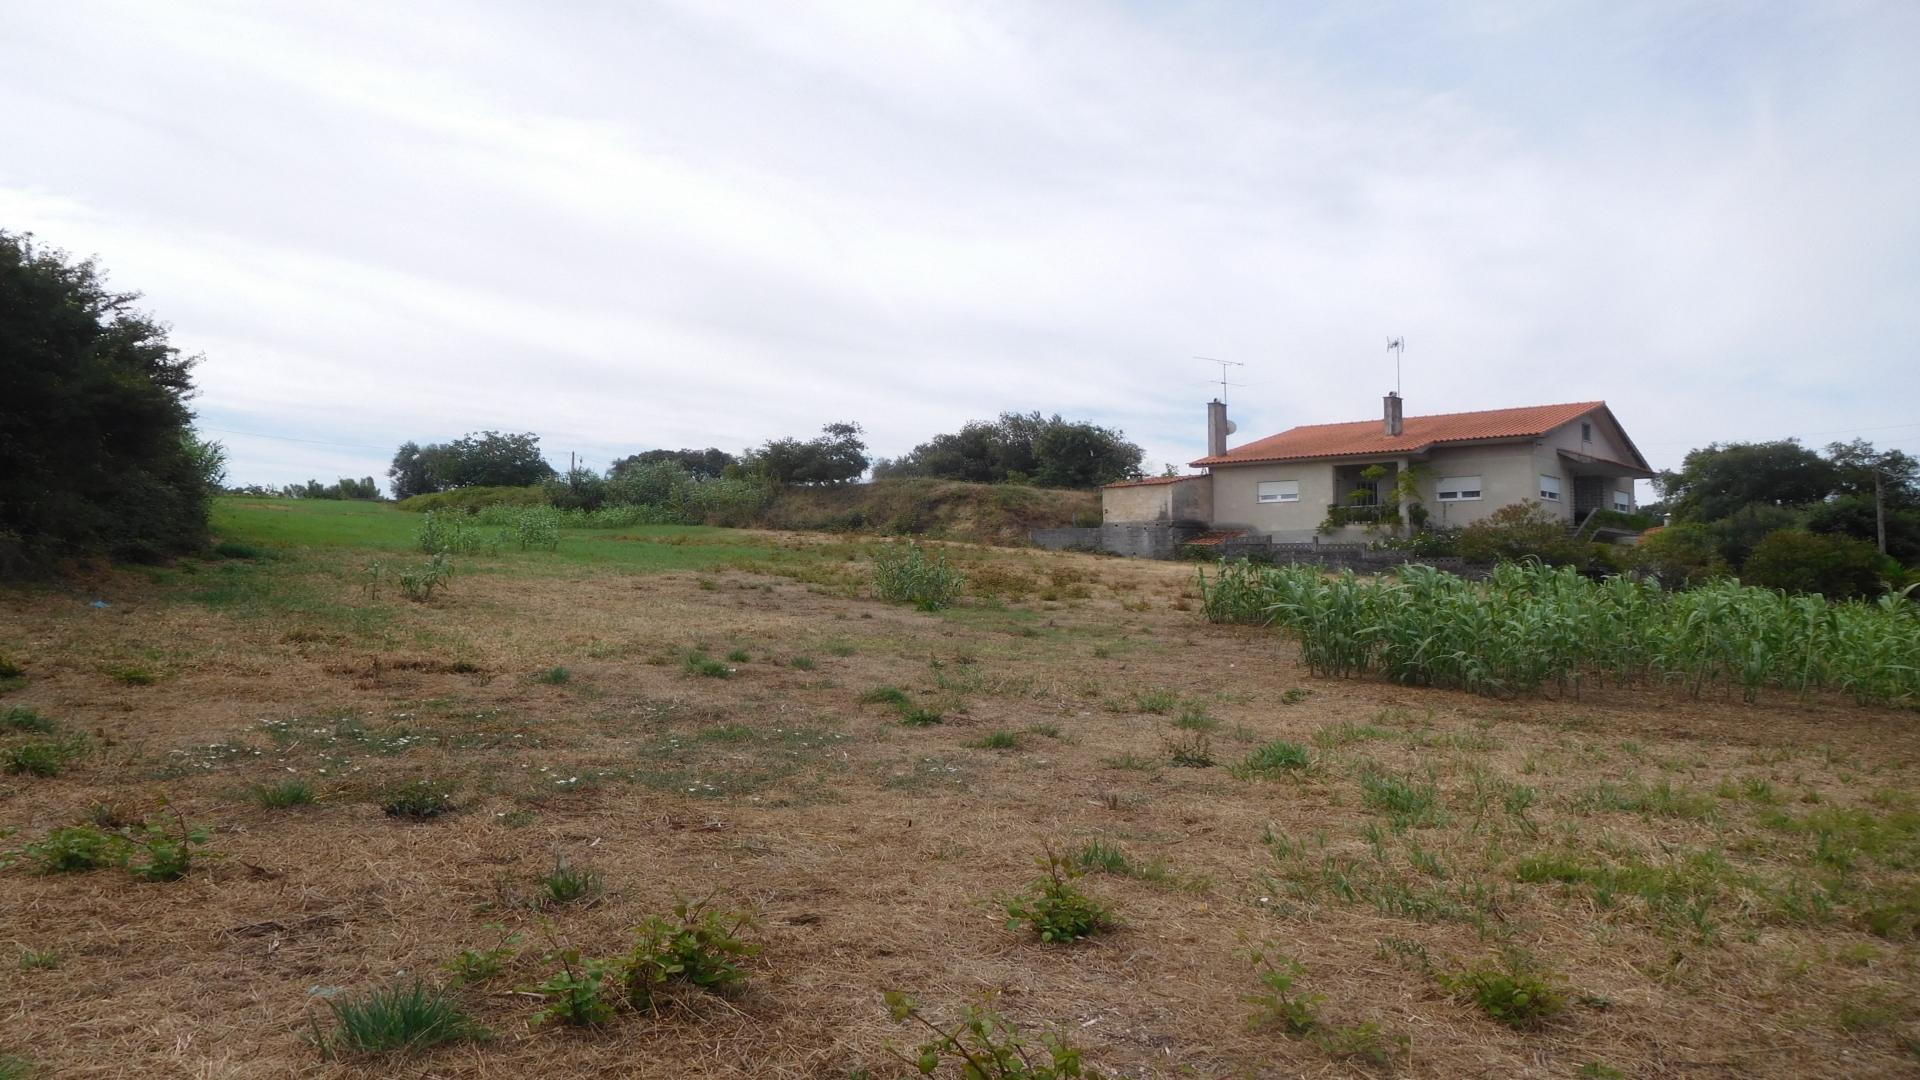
x=97 y=456
x=476 y=459
x=1524 y=530
x=1018 y=448
x=1835 y=566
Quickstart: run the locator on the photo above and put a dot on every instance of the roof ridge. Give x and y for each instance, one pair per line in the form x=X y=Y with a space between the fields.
x=1463 y=412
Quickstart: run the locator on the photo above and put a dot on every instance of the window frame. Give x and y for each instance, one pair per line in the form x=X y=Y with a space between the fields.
x=1623 y=501
x=1460 y=488
x=1261 y=498
x=1558 y=488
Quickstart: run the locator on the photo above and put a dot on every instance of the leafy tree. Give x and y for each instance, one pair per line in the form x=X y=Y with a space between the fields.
x=1834 y=566
x=709 y=464
x=1738 y=533
x=484 y=459
x=344 y=488
x=837 y=455
x=1716 y=481
x=1021 y=447
x=579 y=489
x=412 y=472
x=99 y=456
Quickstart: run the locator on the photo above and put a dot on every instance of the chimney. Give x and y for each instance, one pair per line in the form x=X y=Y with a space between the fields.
x=1394 y=424
x=1216 y=428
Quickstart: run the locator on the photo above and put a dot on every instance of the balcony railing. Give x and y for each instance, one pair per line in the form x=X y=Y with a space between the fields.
x=1362 y=513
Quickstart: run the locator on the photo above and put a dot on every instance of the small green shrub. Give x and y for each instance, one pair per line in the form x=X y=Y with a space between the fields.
x=577 y=993
x=1272 y=759
x=22 y=719
x=740 y=656
x=418 y=800
x=886 y=695
x=904 y=573
x=43 y=757
x=1280 y=1003
x=480 y=965
x=9 y=669
x=803 y=663
x=163 y=853
x=699 y=663
x=999 y=740
x=282 y=795
x=1510 y=992
x=920 y=716
x=697 y=945
x=1055 y=909
x=1157 y=702
x=76 y=849
x=38 y=960
x=554 y=676
x=986 y=1046
x=567 y=884
x=1103 y=857
x=397 y=1019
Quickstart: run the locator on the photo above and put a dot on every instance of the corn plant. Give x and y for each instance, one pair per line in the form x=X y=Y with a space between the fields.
x=1532 y=628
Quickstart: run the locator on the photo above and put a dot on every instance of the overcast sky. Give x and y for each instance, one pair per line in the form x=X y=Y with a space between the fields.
x=630 y=225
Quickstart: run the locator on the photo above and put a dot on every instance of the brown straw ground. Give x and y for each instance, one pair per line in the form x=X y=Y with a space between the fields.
x=873 y=854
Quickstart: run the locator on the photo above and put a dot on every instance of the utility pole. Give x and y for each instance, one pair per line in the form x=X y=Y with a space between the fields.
x=1879 y=510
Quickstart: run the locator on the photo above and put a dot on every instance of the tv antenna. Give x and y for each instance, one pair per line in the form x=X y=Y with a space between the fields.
x=1224 y=365
x=1398 y=347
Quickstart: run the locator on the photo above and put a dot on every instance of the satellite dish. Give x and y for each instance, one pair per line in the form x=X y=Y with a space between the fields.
x=1232 y=427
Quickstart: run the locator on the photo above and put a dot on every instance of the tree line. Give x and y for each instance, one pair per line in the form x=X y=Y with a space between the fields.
x=1780 y=514
x=1016 y=448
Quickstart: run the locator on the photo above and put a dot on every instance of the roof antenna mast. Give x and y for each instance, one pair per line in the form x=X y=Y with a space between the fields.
x=1224 y=365
x=1398 y=347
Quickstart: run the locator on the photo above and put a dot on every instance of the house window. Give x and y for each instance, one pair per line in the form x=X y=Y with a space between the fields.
x=1623 y=501
x=1549 y=488
x=1586 y=431
x=1278 y=491
x=1457 y=488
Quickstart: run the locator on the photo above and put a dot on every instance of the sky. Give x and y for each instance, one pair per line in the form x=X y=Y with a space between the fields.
x=634 y=225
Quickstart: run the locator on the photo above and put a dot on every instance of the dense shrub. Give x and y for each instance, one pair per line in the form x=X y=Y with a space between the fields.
x=1681 y=556
x=100 y=458
x=903 y=573
x=1836 y=566
x=1524 y=530
x=474 y=499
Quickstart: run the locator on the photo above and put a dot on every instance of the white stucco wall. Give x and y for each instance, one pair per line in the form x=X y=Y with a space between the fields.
x=1237 y=505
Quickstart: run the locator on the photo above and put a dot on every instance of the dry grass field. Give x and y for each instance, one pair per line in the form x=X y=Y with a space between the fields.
x=1704 y=889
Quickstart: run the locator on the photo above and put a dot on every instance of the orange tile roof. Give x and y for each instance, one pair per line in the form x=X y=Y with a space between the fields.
x=1360 y=438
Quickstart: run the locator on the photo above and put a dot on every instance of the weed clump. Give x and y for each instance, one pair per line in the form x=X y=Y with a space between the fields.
x=284 y=795
x=886 y=695
x=43 y=757
x=986 y=1046
x=397 y=1019
x=904 y=573
x=698 y=946
x=699 y=663
x=75 y=849
x=566 y=884
x=480 y=965
x=1511 y=992
x=1055 y=909
x=554 y=676
x=22 y=719
x=1189 y=749
x=999 y=740
x=417 y=800
x=1276 y=757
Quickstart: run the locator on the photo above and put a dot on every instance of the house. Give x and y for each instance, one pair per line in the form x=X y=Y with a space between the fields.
x=1334 y=483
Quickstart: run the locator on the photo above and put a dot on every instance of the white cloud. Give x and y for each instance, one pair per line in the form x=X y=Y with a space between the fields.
x=696 y=224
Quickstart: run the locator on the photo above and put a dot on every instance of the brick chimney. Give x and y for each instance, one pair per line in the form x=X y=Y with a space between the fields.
x=1216 y=428
x=1394 y=421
